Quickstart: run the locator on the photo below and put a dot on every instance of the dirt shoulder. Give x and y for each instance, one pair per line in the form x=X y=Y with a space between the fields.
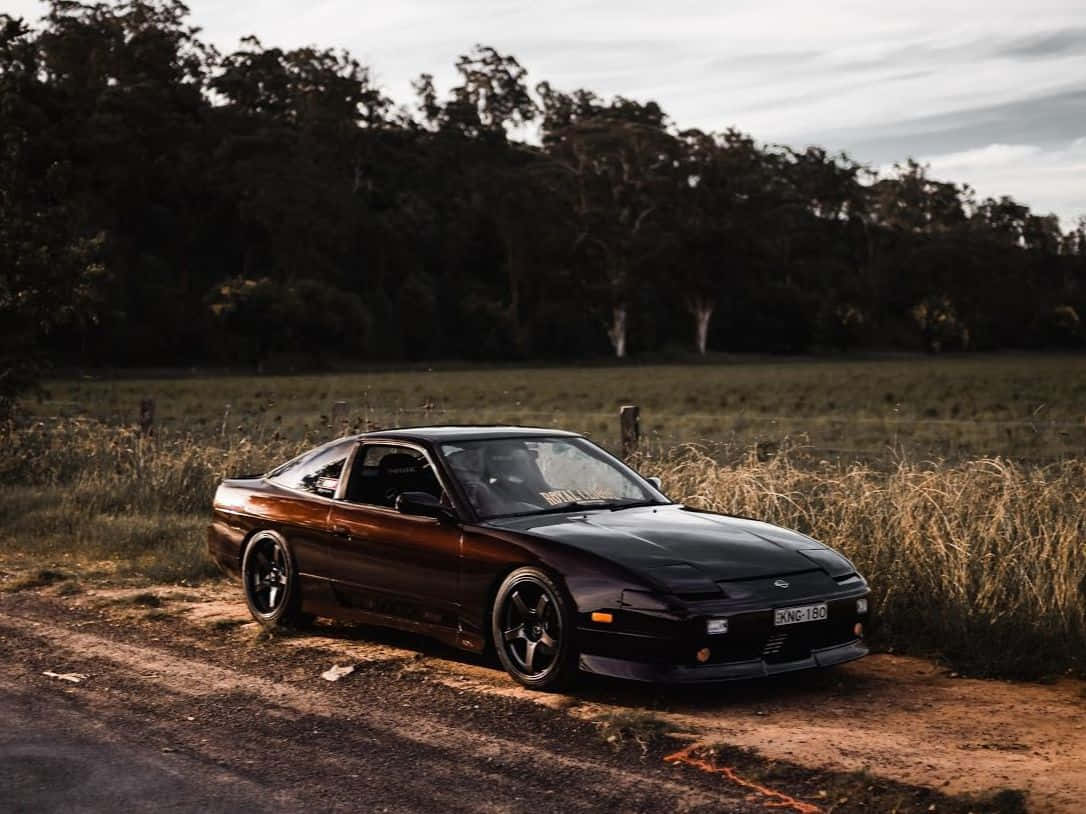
x=195 y=704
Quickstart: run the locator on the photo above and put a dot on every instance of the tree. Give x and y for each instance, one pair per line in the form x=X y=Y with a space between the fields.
x=833 y=236
x=50 y=269
x=301 y=316
x=128 y=144
x=619 y=159
x=724 y=202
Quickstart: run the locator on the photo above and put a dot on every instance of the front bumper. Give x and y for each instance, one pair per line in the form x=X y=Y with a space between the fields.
x=672 y=644
x=725 y=671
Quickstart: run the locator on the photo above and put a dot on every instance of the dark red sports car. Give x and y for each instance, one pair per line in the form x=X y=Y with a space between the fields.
x=541 y=543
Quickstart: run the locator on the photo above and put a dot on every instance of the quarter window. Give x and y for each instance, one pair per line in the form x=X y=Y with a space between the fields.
x=316 y=472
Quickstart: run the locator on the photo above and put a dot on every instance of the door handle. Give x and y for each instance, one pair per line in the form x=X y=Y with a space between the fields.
x=341 y=531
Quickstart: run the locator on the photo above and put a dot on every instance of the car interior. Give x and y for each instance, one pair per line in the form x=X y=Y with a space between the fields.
x=381 y=473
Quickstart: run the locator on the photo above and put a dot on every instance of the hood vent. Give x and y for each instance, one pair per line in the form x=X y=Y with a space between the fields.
x=849 y=579
x=830 y=561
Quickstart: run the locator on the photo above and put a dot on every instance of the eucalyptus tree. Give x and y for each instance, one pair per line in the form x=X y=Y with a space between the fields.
x=51 y=268
x=727 y=205
x=141 y=172
x=836 y=246
x=619 y=159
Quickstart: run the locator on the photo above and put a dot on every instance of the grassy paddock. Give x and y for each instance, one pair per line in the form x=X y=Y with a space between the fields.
x=983 y=561
x=1022 y=406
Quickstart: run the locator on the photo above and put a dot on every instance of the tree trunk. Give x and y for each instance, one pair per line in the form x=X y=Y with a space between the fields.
x=617 y=332
x=703 y=312
x=513 y=275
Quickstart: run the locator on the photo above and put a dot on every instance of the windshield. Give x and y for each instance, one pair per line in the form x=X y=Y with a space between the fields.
x=515 y=476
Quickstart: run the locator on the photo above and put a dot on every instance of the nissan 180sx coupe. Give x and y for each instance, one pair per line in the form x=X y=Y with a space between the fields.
x=541 y=543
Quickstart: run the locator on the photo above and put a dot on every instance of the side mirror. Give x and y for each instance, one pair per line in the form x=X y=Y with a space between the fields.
x=656 y=482
x=421 y=504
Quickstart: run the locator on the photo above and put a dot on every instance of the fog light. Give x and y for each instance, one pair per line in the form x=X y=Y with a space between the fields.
x=703 y=655
x=858 y=630
x=861 y=606
x=716 y=626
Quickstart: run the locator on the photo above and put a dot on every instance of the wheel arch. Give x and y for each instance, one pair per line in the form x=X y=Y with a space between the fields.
x=256 y=531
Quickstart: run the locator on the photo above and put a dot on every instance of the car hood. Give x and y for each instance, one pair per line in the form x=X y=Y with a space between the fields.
x=681 y=548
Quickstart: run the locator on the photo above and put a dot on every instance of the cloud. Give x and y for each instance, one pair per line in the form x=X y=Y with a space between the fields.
x=994 y=155
x=1049 y=180
x=1046 y=120
x=1048 y=44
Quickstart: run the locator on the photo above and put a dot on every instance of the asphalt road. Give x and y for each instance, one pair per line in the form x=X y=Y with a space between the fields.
x=54 y=757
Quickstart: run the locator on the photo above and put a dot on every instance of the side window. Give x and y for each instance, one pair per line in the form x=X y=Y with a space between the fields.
x=381 y=472
x=317 y=473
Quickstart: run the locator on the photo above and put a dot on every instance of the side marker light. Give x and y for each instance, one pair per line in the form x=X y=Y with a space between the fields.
x=603 y=618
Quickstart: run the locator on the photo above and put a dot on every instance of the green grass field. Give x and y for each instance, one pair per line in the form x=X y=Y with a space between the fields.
x=1030 y=407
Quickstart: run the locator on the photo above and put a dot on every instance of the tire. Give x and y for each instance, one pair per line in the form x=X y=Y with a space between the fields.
x=270 y=582
x=533 y=626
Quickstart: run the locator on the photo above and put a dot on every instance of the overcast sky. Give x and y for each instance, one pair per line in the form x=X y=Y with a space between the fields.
x=989 y=92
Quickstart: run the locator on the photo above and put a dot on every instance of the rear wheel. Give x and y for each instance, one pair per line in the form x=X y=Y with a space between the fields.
x=533 y=626
x=271 y=583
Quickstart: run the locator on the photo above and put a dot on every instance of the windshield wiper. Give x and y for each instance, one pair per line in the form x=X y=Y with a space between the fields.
x=590 y=503
x=635 y=504
x=568 y=506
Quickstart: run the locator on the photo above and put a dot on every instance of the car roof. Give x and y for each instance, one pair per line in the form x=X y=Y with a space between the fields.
x=465 y=433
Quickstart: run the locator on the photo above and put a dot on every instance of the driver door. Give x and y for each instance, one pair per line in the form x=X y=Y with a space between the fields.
x=404 y=569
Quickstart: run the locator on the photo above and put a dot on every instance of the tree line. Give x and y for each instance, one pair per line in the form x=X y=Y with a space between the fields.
x=163 y=203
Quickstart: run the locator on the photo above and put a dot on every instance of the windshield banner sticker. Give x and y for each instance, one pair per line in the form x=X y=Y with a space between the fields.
x=560 y=496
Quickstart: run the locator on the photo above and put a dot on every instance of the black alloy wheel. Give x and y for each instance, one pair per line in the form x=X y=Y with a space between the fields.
x=271 y=589
x=533 y=626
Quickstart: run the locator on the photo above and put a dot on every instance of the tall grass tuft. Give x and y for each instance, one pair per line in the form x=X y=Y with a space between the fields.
x=982 y=561
x=79 y=490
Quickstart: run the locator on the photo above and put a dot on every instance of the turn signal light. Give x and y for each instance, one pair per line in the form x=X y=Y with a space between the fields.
x=703 y=655
x=858 y=630
x=604 y=618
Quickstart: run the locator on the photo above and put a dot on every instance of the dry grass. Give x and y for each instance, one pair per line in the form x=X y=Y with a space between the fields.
x=35 y=579
x=983 y=561
x=77 y=492
x=637 y=726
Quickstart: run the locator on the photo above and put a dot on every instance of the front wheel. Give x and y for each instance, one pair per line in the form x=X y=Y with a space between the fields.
x=271 y=583
x=533 y=627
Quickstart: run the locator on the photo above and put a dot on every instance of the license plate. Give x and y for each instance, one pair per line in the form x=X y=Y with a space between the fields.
x=804 y=613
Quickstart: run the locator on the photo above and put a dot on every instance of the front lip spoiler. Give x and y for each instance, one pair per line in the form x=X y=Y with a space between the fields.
x=728 y=671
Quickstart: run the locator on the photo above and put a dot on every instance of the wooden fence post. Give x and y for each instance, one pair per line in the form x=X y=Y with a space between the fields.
x=629 y=417
x=147 y=416
x=339 y=414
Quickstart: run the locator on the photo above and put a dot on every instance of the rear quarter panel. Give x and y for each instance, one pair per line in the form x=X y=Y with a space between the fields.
x=242 y=507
